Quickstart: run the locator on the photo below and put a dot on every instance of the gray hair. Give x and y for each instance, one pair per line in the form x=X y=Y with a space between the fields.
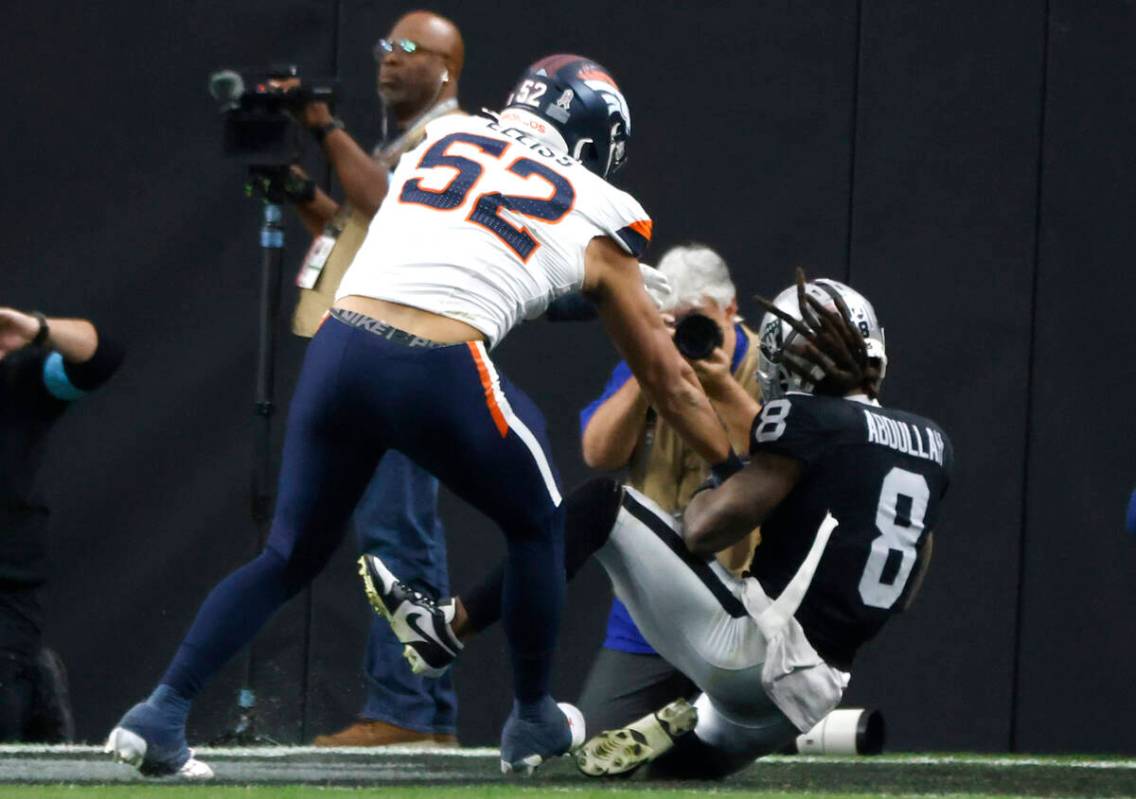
x=695 y=271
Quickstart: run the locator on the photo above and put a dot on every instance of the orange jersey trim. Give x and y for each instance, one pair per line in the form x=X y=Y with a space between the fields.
x=643 y=227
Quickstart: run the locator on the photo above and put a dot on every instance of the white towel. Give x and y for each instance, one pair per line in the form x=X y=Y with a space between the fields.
x=795 y=677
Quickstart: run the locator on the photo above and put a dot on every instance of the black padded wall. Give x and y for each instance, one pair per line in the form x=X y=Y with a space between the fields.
x=942 y=241
x=967 y=165
x=118 y=206
x=1078 y=600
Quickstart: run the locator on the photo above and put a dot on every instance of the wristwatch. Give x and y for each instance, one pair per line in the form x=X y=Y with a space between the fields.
x=43 y=332
x=320 y=131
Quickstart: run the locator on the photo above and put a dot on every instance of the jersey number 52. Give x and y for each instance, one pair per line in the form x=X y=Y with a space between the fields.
x=487 y=206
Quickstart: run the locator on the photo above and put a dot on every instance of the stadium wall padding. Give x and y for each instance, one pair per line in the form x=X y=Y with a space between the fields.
x=968 y=165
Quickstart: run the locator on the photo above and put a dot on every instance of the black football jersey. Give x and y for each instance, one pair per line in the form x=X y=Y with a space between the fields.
x=882 y=474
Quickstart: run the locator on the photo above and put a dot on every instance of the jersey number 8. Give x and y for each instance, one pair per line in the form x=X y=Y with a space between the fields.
x=487 y=206
x=899 y=518
x=771 y=423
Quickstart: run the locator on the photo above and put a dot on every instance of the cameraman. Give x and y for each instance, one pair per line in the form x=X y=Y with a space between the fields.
x=419 y=63
x=620 y=430
x=45 y=365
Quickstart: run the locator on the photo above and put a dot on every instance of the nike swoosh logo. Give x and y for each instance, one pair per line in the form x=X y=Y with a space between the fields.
x=414 y=623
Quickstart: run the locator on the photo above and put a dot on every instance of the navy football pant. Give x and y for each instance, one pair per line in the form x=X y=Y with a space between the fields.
x=447 y=409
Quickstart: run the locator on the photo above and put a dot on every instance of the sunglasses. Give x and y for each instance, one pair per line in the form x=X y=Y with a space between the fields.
x=384 y=47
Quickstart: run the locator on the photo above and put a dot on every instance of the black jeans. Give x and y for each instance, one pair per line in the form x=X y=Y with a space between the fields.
x=35 y=704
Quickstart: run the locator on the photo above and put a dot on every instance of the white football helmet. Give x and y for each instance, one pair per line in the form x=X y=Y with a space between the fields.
x=777 y=336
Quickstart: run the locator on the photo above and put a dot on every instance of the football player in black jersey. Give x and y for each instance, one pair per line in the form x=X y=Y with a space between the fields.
x=846 y=493
x=880 y=472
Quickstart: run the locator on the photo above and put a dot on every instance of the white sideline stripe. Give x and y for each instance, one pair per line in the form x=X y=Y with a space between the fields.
x=253 y=752
x=475 y=753
x=955 y=760
x=517 y=425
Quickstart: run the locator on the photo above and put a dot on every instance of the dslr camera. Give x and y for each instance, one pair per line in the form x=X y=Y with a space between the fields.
x=696 y=336
x=259 y=116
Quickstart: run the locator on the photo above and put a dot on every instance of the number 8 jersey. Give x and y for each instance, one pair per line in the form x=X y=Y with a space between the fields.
x=882 y=474
x=486 y=224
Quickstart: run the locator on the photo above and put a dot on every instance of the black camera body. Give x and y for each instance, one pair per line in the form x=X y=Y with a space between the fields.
x=259 y=119
x=697 y=336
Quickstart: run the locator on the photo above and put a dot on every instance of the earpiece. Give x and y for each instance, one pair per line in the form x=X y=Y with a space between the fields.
x=445 y=76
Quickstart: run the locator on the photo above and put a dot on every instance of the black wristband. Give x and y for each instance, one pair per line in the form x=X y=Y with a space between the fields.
x=43 y=332
x=720 y=473
x=320 y=132
x=727 y=468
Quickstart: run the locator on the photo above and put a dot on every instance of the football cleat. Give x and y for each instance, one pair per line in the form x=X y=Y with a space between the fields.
x=624 y=750
x=418 y=621
x=162 y=754
x=528 y=742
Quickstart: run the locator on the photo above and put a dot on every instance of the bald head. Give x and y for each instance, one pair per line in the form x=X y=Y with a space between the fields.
x=435 y=33
x=411 y=83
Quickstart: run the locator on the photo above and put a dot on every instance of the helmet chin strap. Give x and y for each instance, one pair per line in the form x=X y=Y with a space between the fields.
x=536 y=127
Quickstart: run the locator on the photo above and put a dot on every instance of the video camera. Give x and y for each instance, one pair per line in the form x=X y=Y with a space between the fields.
x=259 y=116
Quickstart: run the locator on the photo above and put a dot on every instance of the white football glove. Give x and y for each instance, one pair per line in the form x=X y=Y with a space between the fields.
x=657 y=286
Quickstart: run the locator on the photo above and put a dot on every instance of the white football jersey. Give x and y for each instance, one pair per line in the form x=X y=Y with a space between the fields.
x=486 y=224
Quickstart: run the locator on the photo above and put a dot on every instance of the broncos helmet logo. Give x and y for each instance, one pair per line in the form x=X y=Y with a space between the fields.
x=614 y=99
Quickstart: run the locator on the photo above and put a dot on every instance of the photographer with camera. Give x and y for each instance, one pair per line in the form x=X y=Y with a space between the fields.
x=418 y=66
x=620 y=431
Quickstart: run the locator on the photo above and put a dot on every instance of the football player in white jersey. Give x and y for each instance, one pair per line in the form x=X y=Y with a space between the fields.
x=485 y=223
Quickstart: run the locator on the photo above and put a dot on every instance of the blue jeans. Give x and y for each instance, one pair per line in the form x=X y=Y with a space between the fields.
x=397 y=519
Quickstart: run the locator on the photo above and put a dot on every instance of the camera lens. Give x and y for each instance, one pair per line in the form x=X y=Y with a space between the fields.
x=697 y=335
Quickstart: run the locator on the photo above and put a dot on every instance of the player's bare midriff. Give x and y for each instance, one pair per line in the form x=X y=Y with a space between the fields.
x=423 y=324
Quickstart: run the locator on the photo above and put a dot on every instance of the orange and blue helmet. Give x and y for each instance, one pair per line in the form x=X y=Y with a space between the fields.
x=582 y=102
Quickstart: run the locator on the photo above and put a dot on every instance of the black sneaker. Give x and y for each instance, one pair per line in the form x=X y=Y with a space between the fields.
x=418 y=621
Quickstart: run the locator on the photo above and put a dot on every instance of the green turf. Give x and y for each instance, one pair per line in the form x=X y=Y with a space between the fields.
x=300 y=773
x=472 y=792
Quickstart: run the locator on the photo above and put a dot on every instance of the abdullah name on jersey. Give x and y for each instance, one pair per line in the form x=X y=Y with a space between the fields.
x=486 y=224
x=882 y=474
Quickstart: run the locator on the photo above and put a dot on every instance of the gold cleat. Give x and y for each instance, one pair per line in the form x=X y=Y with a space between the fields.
x=624 y=750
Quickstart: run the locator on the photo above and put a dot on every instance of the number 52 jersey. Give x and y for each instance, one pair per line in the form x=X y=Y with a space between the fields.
x=486 y=224
x=882 y=474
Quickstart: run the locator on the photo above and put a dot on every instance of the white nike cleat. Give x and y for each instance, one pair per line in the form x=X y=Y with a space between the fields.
x=524 y=767
x=561 y=733
x=195 y=770
x=130 y=748
x=626 y=749
x=418 y=621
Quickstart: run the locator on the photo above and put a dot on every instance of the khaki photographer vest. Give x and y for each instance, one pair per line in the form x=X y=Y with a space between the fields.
x=349 y=227
x=666 y=469
x=314 y=302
